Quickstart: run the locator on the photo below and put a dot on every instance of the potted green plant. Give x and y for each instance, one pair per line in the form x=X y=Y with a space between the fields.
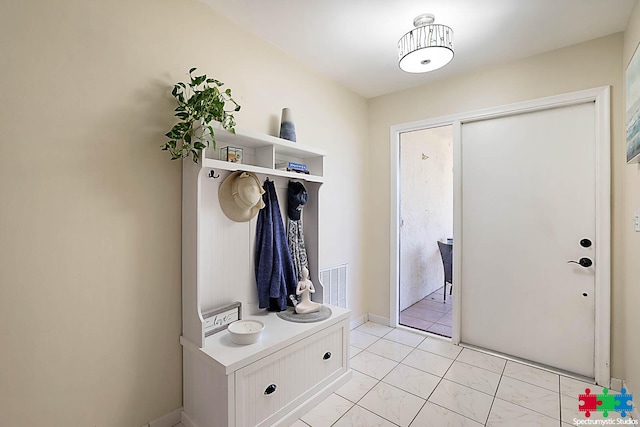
x=200 y=103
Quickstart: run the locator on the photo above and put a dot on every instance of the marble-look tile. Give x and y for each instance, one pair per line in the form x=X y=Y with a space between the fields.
x=462 y=400
x=357 y=386
x=433 y=306
x=428 y=362
x=506 y=414
x=362 y=340
x=390 y=349
x=353 y=351
x=471 y=376
x=482 y=360
x=570 y=410
x=360 y=417
x=529 y=396
x=297 y=423
x=446 y=320
x=327 y=412
x=393 y=404
x=533 y=376
x=572 y=388
x=371 y=364
x=440 y=347
x=404 y=337
x=422 y=313
x=432 y=415
x=374 y=329
x=415 y=323
x=439 y=329
x=412 y=380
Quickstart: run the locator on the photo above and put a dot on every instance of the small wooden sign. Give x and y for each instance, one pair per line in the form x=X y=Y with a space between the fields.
x=218 y=319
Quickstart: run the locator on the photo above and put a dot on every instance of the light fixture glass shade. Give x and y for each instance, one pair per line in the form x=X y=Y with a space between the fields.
x=425 y=48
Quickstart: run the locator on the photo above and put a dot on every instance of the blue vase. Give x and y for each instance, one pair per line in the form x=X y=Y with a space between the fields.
x=287 y=128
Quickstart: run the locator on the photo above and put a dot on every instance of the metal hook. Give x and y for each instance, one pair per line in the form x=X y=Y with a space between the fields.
x=212 y=174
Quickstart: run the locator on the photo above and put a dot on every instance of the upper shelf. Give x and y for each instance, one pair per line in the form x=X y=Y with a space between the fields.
x=251 y=139
x=219 y=164
x=262 y=153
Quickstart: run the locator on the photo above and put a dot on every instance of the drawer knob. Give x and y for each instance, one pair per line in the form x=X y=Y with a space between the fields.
x=270 y=389
x=327 y=356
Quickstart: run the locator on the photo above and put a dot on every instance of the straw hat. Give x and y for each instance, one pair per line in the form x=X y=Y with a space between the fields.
x=240 y=196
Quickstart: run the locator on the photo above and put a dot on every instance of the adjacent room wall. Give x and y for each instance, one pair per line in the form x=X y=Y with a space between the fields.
x=630 y=324
x=90 y=208
x=586 y=65
x=426 y=210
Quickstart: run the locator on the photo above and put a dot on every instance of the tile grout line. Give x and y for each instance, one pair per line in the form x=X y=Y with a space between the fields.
x=529 y=409
x=495 y=395
x=434 y=389
x=559 y=401
x=441 y=378
x=403 y=390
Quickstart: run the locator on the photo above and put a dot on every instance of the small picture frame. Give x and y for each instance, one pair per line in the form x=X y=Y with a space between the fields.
x=231 y=154
x=218 y=319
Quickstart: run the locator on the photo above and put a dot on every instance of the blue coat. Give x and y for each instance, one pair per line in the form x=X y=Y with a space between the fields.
x=275 y=276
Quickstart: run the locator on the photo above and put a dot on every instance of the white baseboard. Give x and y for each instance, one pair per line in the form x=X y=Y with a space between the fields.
x=358 y=321
x=379 y=319
x=369 y=318
x=168 y=420
x=186 y=421
x=615 y=384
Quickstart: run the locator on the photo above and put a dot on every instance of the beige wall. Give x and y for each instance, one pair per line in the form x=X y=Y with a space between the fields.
x=90 y=208
x=631 y=250
x=586 y=65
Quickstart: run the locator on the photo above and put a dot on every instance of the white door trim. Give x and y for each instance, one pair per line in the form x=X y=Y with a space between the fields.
x=601 y=97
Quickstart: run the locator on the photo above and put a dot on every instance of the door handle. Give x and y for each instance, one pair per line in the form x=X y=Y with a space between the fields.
x=584 y=262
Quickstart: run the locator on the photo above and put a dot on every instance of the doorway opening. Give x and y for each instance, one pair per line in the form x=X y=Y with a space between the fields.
x=425 y=287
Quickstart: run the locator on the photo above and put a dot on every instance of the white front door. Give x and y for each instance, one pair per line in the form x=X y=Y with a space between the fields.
x=528 y=207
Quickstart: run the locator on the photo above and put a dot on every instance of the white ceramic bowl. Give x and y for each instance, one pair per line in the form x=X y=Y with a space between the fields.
x=245 y=331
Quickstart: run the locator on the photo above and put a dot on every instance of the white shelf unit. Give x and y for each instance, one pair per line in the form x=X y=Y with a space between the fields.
x=218 y=269
x=261 y=154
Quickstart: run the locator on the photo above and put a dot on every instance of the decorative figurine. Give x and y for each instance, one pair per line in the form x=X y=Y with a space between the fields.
x=305 y=286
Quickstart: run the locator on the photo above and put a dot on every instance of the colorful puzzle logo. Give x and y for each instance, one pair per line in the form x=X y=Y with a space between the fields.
x=605 y=402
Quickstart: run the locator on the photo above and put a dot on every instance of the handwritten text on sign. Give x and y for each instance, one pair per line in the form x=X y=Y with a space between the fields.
x=220 y=319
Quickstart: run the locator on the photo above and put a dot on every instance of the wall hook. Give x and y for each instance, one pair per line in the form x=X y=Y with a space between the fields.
x=212 y=174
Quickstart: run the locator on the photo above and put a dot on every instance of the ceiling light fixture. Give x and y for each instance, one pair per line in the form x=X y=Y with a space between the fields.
x=427 y=47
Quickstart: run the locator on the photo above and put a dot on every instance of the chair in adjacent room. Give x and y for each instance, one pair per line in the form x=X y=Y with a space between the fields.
x=446 y=252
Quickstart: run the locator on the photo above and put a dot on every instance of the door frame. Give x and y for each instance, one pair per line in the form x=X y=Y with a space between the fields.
x=601 y=97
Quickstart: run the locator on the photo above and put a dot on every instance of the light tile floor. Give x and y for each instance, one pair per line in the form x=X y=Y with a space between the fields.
x=401 y=378
x=430 y=314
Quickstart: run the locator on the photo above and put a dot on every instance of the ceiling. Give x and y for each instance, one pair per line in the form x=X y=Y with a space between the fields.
x=354 y=42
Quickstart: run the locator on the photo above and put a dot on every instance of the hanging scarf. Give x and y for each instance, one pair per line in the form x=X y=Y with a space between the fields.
x=295 y=237
x=297 y=197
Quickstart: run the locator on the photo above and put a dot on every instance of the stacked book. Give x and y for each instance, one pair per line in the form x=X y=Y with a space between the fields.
x=293 y=167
